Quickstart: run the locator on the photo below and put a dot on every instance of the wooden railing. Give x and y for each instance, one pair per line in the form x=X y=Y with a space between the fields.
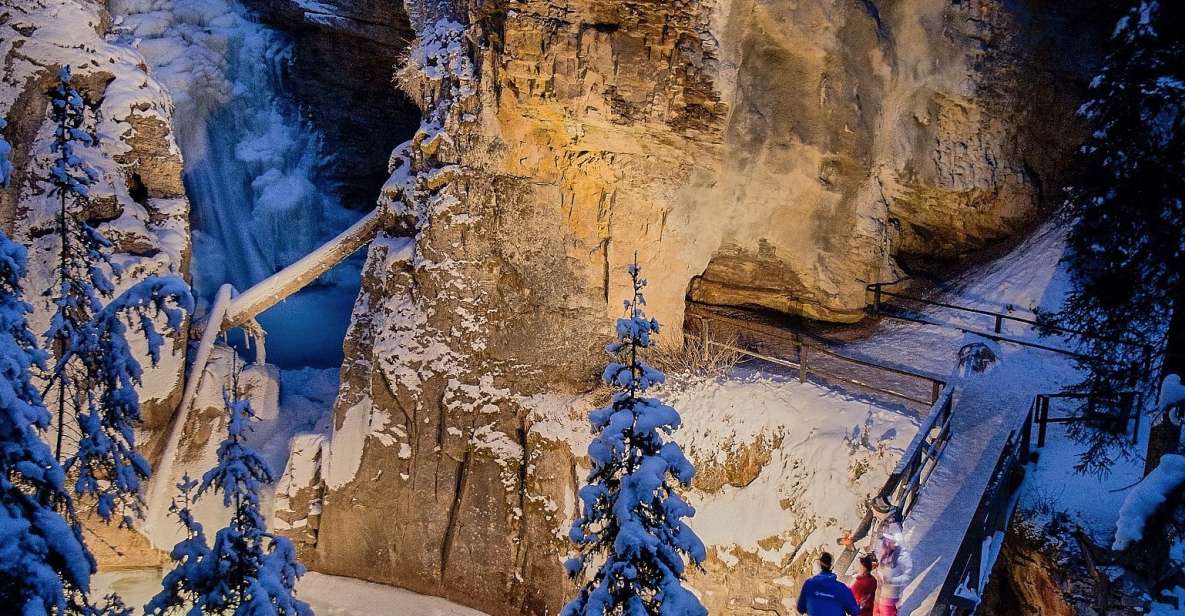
x=998 y=318
x=791 y=350
x=920 y=458
x=899 y=493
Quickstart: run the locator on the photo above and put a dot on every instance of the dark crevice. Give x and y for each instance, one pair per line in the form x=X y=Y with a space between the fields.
x=524 y=463
x=575 y=479
x=137 y=190
x=873 y=12
x=606 y=28
x=450 y=529
x=605 y=270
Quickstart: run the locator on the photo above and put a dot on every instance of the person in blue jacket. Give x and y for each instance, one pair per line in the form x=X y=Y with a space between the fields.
x=824 y=595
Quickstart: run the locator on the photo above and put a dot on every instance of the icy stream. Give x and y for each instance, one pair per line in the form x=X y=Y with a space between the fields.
x=252 y=167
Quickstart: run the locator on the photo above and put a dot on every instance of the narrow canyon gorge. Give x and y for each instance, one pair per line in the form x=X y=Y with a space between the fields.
x=424 y=403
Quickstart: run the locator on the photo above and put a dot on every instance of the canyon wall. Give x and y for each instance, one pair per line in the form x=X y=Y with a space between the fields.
x=764 y=153
x=138 y=202
x=774 y=154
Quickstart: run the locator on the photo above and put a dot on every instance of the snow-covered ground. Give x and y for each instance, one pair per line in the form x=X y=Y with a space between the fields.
x=1092 y=501
x=783 y=469
x=328 y=595
x=1019 y=283
x=828 y=452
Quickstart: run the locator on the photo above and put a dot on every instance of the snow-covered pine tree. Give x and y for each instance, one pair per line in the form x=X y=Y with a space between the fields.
x=95 y=373
x=106 y=462
x=44 y=565
x=1126 y=246
x=192 y=575
x=248 y=570
x=5 y=164
x=631 y=515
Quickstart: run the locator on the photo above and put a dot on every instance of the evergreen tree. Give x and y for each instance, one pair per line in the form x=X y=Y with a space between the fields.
x=95 y=373
x=44 y=564
x=187 y=582
x=631 y=515
x=1126 y=249
x=5 y=164
x=248 y=571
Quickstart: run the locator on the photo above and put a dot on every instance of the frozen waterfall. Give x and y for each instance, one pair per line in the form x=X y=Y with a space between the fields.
x=252 y=167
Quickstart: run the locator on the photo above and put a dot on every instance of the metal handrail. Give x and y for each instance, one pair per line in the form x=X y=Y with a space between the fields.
x=898 y=495
x=914 y=467
x=878 y=290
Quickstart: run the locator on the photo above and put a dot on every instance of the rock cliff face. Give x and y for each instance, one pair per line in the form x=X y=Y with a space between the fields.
x=138 y=203
x=344 y=56
x=1044 y=568
x=766 y=153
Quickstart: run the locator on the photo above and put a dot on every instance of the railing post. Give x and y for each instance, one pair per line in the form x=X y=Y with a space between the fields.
x=1043 y=413
x=802 y=370
x=876 y=298
x=999 y=322
x=703 y=335
x=1133 y=408
x=935 y=391
x=1026 y=438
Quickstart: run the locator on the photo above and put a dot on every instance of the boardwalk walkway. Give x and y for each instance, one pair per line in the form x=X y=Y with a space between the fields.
x=944 y=529
x=989 y=412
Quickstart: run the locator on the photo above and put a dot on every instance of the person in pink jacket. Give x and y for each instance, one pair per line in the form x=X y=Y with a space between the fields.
x=892 y=572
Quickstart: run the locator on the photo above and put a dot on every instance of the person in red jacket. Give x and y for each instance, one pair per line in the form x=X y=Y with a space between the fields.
x=864 y=587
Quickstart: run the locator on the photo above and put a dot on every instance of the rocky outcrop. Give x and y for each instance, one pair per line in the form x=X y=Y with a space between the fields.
x=1050 y=567
x=138 y=203
x=774 y=154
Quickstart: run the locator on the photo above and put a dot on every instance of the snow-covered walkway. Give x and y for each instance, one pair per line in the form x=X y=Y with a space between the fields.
x=988 y=407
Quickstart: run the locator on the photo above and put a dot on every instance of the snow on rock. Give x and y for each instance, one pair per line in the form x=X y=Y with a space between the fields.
x=204 y=429
x=139 y=193
x=298 y=494
x=824 y=454
x=1146 y=498
x=346 y=446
